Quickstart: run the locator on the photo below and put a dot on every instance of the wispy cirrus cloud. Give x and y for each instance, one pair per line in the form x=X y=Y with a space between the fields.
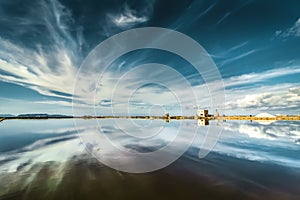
x=293 y=31
x=240 y=56
x=48 y=65
x=243 y=93
x=252 y=78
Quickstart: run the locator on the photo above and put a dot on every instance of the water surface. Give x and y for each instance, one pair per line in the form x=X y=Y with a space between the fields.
x=45 y=159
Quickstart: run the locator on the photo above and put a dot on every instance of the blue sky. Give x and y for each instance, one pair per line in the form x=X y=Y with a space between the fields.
x=254 y=44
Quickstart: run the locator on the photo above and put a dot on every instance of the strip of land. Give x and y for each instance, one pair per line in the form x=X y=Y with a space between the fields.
x=165 y=117
x=253 y=118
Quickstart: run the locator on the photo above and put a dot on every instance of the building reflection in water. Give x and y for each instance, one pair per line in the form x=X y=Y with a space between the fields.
x=202 y=122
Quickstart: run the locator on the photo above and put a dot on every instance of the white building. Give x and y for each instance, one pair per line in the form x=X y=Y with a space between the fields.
x=202 y=113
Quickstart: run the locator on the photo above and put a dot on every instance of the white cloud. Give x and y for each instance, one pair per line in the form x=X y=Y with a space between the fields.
x=282 y=97
x=264 y=98
x=46 y=68
x=243 y=55
x=293 y=31
x=253 y=92
x=51 y=71
x=262 y=76
x=129 y=17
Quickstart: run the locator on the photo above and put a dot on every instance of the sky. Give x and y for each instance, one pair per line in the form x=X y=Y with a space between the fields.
x=254 y=44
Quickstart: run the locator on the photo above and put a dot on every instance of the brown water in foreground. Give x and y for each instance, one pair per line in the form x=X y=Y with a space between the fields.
x=184 y=179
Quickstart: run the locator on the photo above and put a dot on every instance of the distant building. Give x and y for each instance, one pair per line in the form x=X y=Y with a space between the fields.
x=217 y=113
x=167 y=116
x=202 y=113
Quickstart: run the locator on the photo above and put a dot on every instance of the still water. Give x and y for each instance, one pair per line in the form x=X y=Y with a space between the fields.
x=50 y=159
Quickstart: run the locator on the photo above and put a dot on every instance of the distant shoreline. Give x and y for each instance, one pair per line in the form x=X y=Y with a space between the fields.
x=166 y=118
